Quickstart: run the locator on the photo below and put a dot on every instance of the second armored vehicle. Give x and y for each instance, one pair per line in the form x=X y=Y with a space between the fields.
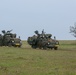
x=9 y=39
x=43 y=41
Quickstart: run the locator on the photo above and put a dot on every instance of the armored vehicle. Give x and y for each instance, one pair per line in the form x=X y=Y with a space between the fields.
x=9 y=39
x=43 y=41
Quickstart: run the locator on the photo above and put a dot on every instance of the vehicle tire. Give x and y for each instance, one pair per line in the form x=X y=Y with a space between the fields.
x=55 y=48
x=34 y=47
x=44 y=47
x=51 y=48
x=9 y=44
x=19 y=46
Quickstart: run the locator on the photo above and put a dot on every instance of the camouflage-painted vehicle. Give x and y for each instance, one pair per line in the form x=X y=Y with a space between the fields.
x=9 y=39
x=43 y=41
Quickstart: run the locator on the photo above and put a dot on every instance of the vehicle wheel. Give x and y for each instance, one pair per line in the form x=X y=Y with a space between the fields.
x=51 y=48
x=39 y=47
x=55 y=48
x=44 y=47
x=9 y=45
x=33 y=46
x=19 y=46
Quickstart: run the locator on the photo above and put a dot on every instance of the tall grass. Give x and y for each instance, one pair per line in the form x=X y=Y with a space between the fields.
x=28 y=61
x=67 y=45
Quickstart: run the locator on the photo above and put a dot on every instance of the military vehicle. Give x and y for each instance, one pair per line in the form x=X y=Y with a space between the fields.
x=9 y=39
x=43 y=41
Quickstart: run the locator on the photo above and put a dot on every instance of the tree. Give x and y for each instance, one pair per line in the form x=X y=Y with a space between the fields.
x=73 y=29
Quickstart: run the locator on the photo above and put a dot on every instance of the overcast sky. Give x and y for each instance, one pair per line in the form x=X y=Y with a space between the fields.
x=26 y=16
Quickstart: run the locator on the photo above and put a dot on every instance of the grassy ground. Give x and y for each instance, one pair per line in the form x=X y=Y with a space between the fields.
x=28 y=61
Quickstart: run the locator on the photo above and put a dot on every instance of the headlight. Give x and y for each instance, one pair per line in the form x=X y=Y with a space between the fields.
x=13 y=41
x=48 y=43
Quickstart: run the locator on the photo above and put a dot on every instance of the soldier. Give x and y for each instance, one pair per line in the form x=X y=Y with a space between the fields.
x=54 y=38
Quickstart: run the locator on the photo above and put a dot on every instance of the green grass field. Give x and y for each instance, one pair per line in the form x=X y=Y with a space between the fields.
x=28 y=61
